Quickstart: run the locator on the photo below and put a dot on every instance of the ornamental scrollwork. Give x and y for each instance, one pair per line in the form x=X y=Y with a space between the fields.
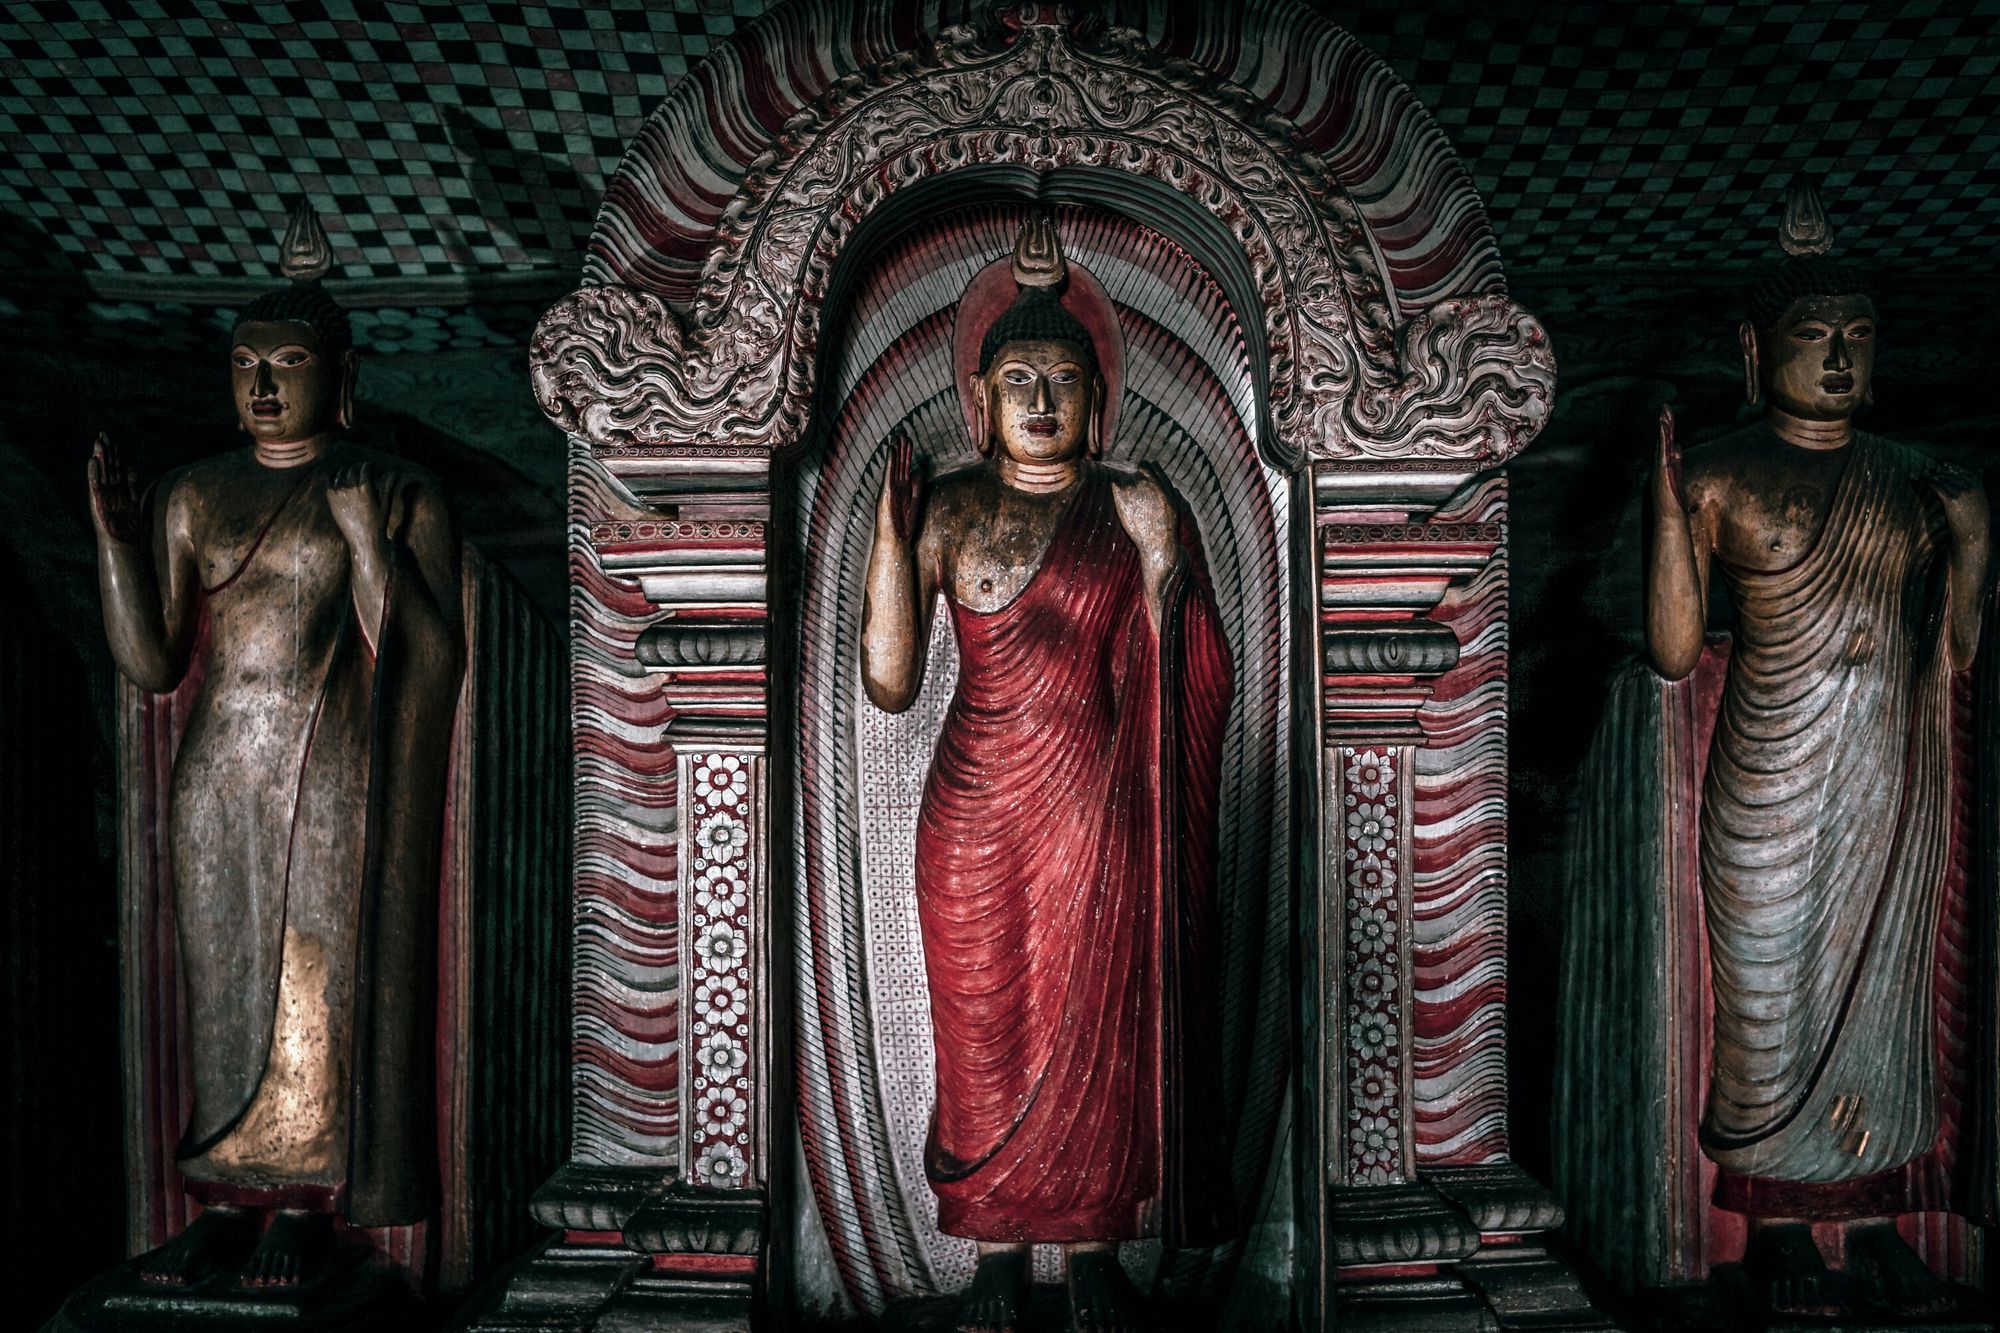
x=1471 y=378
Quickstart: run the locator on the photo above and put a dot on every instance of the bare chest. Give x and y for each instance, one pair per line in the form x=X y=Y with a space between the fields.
x=1774 y=515
x=270 y=540
x=994 y=545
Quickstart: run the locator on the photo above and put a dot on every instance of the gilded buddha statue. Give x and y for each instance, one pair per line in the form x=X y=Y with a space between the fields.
x=314 y=586
x=1857 y=566
x=1066 y=838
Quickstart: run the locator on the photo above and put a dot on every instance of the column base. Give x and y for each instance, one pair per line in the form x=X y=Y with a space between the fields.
x=1461 y=1249
x=638 y=1251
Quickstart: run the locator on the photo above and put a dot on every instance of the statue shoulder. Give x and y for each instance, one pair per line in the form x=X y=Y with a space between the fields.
x=1145 y=506
x=1961 y=488
x=396 y=469
x=1712 y=471
x=183 y=492
x=960 y=481
x=1908 y=457
x=953 y=493
x=404 y=484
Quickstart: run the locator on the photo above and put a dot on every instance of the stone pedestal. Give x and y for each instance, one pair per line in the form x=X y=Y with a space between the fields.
x=352 y=1295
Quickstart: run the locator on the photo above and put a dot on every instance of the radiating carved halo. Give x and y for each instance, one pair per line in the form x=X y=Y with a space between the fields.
x=987 y=297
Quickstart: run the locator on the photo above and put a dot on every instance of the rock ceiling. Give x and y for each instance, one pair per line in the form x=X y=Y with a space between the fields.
x=446 y=139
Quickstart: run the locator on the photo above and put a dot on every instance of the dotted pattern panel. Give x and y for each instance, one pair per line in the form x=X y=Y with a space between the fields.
x=449 y=138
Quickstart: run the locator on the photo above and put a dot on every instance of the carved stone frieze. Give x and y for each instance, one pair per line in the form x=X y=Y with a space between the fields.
x=1397 y=1224
x=1471 y=378
x=1414 y=648
x=697 y=643
x=695 y=1221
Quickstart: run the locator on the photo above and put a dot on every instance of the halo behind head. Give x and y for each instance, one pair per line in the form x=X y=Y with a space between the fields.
x=992 y=295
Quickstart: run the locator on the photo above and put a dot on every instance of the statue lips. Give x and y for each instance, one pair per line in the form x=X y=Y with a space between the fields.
x=1837 y=384
x=1043 y=426
x=266 y=407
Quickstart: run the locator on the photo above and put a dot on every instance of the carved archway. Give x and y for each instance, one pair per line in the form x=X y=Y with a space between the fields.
x=1387 y=367
x=1348 y=372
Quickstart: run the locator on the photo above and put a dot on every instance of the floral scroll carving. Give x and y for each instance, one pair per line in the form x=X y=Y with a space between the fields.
x=1470 y=379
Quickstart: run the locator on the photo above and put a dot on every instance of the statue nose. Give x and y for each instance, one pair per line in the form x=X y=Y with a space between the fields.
x=1837 y=357
x=1042 y=400
x=261 y=383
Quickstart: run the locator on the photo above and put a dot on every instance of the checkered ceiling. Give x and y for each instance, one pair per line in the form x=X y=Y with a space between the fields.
x=443 y=138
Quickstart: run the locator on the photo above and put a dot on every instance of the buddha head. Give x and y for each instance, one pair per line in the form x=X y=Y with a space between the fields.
x=1038 y=390
x=1809 y=343
x=292 y=364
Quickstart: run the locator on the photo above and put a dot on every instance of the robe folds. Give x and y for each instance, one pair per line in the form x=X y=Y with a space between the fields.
x=305 y=815
x=1826 y=833
x=1065 y=882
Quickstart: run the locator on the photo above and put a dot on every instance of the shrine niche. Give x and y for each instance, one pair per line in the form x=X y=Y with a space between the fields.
x=1293 y=292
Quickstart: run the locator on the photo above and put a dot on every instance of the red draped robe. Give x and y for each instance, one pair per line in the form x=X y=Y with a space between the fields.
x=1065 y=880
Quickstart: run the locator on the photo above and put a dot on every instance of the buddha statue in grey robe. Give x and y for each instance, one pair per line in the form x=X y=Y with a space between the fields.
x=1857 y=566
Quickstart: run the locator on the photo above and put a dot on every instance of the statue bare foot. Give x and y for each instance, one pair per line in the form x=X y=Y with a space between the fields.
x=1896 y=1275
x=1101 y=1298
x=294 y=1247
x=213 y=1243
x=1786 y=1268
x=997 y=1299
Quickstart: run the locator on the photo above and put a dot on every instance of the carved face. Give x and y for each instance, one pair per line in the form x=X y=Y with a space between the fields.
x=285 y=388
x=1818 y=359
x=1039 y=397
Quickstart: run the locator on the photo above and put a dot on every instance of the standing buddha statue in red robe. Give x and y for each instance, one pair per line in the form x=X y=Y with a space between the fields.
x=1066 y=843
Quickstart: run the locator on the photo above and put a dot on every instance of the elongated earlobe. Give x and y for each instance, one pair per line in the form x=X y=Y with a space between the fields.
x=1753 y=392
x=1094 y=432
x=982 y=428
x=349 y=369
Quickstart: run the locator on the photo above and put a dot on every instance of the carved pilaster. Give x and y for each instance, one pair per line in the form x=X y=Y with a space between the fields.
x=1425 y=1223
x=663 y=1209
x=701 y=561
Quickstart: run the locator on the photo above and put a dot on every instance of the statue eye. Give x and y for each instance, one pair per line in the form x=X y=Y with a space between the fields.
x=1016 y=375
x=1809 y=335
x=1065 y=377
x=1860 y=331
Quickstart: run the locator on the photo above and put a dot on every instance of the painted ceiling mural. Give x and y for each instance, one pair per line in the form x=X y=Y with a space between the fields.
x=146 y=137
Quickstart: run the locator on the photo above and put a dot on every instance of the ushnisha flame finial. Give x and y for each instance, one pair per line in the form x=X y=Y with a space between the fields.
x=307 y=255
x=1038 y=257
x=1805 y=230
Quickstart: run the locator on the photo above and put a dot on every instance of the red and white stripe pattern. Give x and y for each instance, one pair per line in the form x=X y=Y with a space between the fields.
x=627 y=1027
x=1459 y=871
